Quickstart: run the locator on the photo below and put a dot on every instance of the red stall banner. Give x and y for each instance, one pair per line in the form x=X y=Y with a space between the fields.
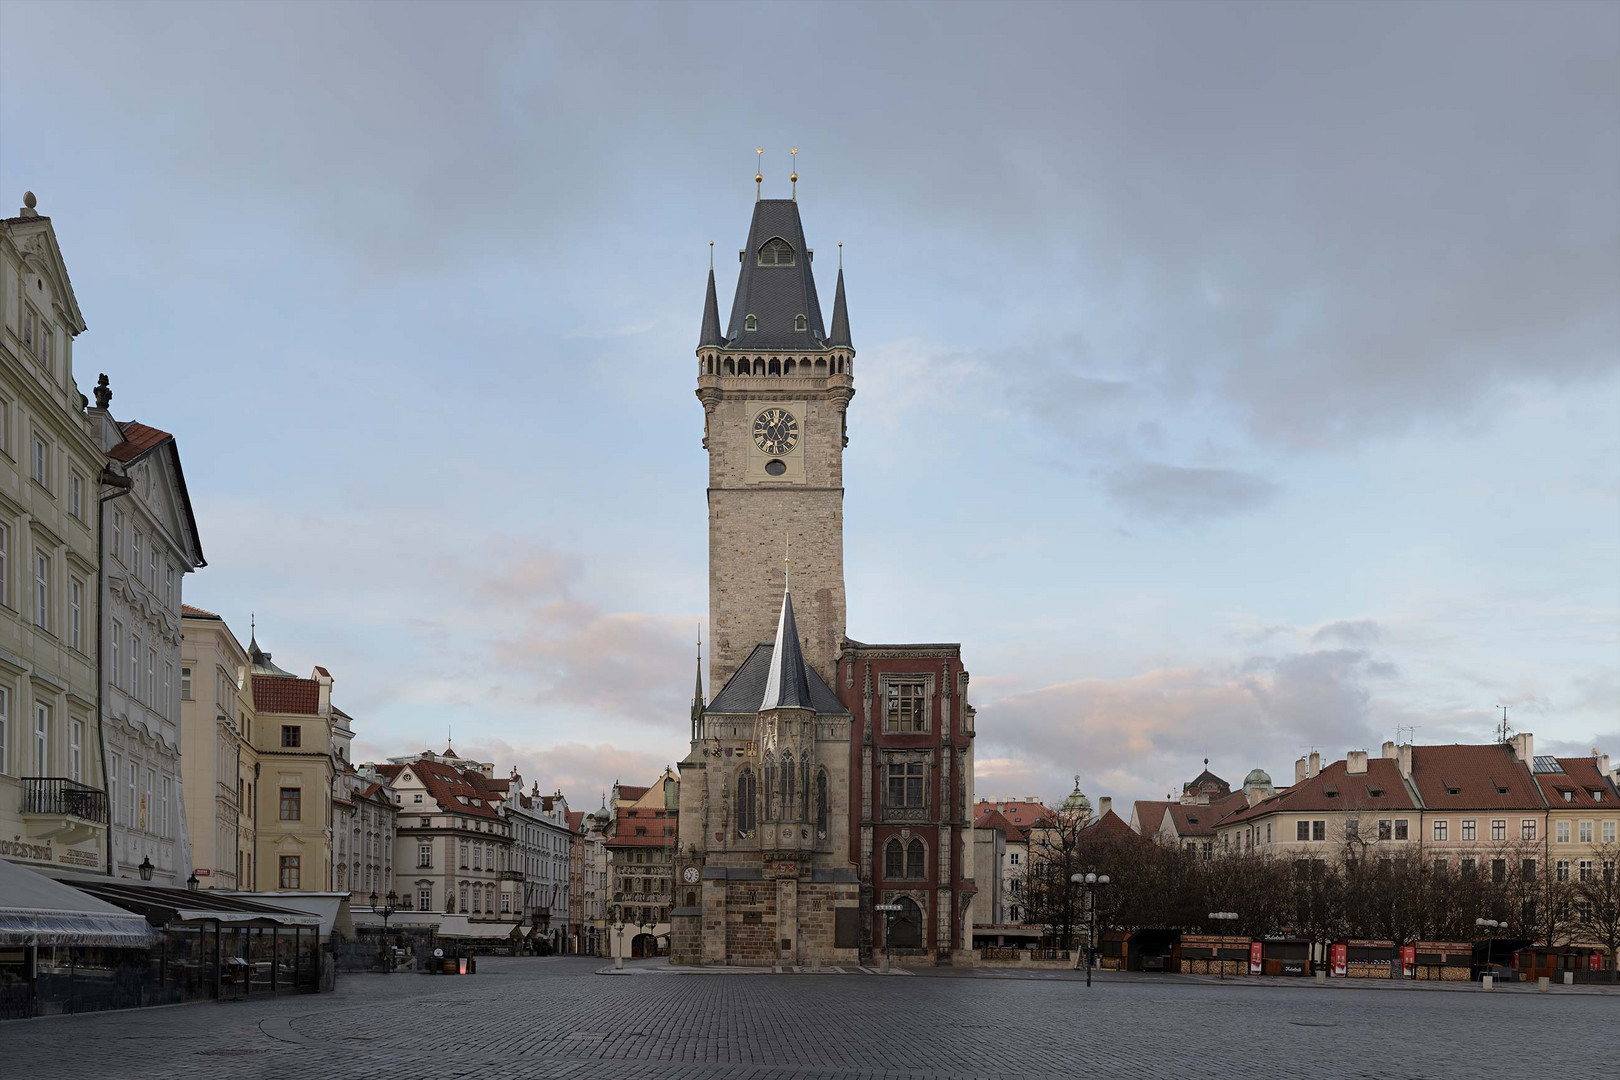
x=1409 y=961
x=1255 y=966
x=1339 y=960
x=1594 y=962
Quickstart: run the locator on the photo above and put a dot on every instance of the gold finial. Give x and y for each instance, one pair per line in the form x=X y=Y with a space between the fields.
x=794 y=175
x=759 y=175
x=711 y=254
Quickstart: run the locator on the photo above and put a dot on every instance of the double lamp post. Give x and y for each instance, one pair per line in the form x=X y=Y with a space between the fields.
x=1089 y=883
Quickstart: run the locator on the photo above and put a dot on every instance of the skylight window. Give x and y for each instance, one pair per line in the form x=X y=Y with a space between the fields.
x=776 y=252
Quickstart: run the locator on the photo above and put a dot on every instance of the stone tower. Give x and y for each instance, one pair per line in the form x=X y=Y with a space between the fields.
x=775 y=387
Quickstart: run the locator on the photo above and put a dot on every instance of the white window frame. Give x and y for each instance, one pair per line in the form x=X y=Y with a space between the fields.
x=131 y=774
x=5 y=564
x=424 y=899
x=42 y=589
x=1442 y=830
x=76 y=494
x=185 y=683
x=1609 y=830
x=40 y=468
x=146 y=803
x=113 y=773
x=1469 y=830
x=168 y=584
x=168 y=689
x=117 y=653
x=151 y=676
x=135 y=545
x=163 y=807
x=5 y=729
x=76 y=751
x=42 y=739
x=1585 y=832
x=1561 y=833
x=135 y=664
x=76 y=614
x=118 y=534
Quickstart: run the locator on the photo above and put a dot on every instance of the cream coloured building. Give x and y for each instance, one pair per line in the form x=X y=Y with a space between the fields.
x=219 y=765
x=149 y=543
x=300 y=740
x=53 y=802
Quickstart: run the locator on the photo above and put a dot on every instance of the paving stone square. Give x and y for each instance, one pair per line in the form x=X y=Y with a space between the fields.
x=558 y=1017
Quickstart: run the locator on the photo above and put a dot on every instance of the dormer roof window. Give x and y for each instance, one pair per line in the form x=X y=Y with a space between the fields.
x=751 y=322
x=799 y=323
x=776 y=252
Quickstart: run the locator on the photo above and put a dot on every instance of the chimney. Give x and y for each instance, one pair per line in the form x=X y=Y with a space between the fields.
x=1602 y=762
x=1316 y=764
x=1104 y=805
x=1403 y=760
x=324 y=707
x=1524 y=747
x=1389 y=749
x=1300 y=773
x=1355 y=763
x=1252 y=794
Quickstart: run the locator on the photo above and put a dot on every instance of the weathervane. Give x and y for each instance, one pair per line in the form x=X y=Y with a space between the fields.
x=759 y=175
x=794 y=175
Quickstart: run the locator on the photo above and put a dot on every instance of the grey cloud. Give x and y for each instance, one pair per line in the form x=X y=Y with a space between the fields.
x=1349 y=632
x=1181 y=495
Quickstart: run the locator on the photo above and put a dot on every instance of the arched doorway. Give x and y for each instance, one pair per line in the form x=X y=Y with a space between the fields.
x=643 y=945
x=906 y=925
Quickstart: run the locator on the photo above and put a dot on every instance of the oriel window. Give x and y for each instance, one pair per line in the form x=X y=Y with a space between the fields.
x=905 y=707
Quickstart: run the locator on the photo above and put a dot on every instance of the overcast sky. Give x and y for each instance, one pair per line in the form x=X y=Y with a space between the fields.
x=1233 y=379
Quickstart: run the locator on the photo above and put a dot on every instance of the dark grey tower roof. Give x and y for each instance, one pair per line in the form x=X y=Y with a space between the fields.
x=710 y=334
x=776 y=295
x=787 y=686
x=840 y=323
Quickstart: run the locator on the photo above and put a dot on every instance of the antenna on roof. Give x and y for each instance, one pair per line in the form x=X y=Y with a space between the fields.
x=794 y=176
x=1503 y=731
x=759 y=177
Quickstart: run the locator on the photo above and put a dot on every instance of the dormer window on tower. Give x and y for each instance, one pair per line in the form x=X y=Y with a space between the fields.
x=800 y=323
x=776 y=252
x=751 y=322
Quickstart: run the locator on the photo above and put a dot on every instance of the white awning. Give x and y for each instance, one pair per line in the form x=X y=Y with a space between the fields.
x=37 y=910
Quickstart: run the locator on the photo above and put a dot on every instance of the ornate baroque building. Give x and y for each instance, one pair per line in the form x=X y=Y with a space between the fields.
x=825 y=776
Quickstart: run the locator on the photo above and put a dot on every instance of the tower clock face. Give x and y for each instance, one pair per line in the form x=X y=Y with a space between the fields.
x=775 y=431
x=691 y=874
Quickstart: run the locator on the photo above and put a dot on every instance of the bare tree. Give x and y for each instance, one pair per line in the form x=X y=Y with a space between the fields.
x=1596 y=904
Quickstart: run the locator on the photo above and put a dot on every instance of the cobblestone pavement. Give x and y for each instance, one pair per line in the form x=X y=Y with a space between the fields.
x=555 y=1017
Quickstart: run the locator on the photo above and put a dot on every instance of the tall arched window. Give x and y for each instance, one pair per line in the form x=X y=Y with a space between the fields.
x=745 y=803
x=894 y=860
x=776 y=252
x=821 y=804
x=787 y=787
x=916 y=860
x=804 y=789
x=759 y=364
x=775 y=367
x=770 y=788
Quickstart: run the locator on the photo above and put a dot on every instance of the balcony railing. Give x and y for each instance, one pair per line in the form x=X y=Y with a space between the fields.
x=68 y=798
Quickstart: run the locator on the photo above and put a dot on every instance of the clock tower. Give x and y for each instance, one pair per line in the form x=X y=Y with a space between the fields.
x=775 y=386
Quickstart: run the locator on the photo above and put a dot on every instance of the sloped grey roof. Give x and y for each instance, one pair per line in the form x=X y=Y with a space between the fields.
x=787 y=686
x=746 y=688
x=775 y=295
x=840 y=322
x=710 y=334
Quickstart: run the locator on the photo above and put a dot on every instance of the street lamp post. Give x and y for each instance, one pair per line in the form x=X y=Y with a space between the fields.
x=389 y=909
x=618 y=937
x=1490 y=927
x=1219 y=917
x=146 y=868
x=888 y=932
x=1090 y=883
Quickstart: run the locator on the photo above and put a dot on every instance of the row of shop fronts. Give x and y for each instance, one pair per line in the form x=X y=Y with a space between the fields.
x=1234 y=956
x=79 y=944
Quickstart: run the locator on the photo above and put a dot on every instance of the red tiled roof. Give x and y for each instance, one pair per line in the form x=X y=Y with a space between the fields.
x=322 y=672
x=1192 y=819
x=994 y=819
x=576 y=820
x=1109 y=827
x=1478 y=773
x=196 y=612
x=631 y=794
x=1349 y=792
x=448 y=785
x=138 y=439
x=1150 y=815
x=279 y=694
x=1025 y=814
x=1580 y=778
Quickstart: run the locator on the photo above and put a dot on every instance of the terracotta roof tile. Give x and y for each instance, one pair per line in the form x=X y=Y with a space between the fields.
x=448 y=786
x=1484 y=777
x=995 y=819
x=1192 y=819
x=279 y=694
x=1349 y=793
x=138 y=439
x=631 y=794
x=1580 y=779
x=196 y=612
x=1150 y=815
